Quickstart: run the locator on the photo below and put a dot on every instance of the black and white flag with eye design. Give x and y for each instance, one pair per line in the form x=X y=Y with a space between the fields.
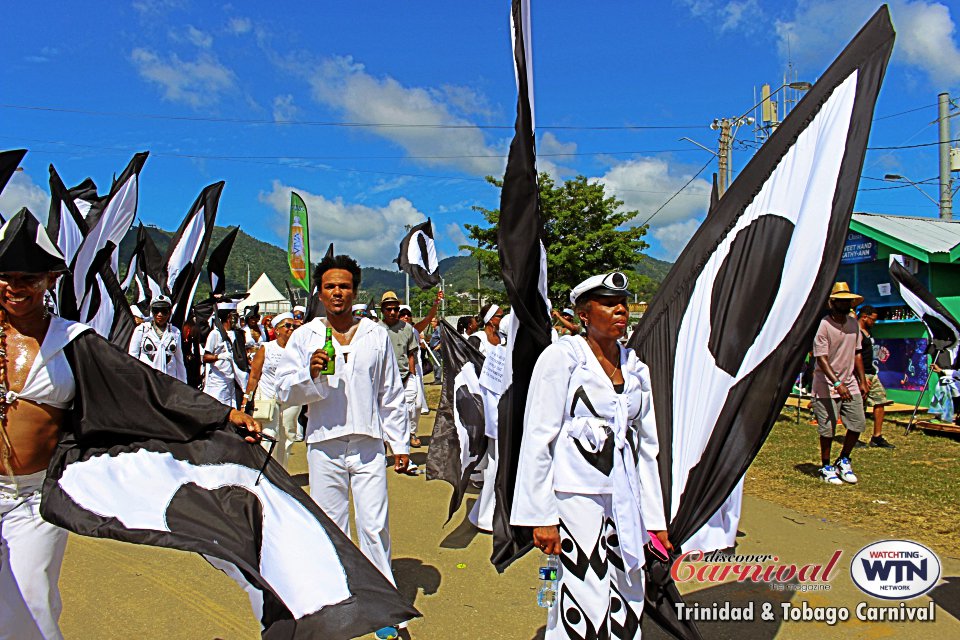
x=170 y=471
x=523 y=260
x=458 y=442
x=738 y=311
x=943 y=328
x=418 y=256
x=188 y=250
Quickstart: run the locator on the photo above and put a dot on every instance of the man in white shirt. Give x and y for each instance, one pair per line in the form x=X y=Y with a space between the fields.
x=157 y=343
x=351 y=413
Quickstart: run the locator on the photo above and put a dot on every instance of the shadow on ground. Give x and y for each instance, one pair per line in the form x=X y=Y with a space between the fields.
x=738 y=594
x=463 y=535
x=413 y=576
x=947 y=596
x=808 y=468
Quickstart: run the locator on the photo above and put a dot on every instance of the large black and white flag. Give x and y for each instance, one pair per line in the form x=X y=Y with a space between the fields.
x=93 y=250
x=418 y=256
x=523 y=260
x=459 y=442
x=9 y=161
x=943 y=328
x=187 y=251
x=217 y=263
x=738 y=311
x=168 y=470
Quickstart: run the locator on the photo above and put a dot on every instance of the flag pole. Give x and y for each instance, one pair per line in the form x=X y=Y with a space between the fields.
x=916 y=407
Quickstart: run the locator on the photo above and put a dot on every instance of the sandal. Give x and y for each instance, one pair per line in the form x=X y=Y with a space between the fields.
x=415 y=441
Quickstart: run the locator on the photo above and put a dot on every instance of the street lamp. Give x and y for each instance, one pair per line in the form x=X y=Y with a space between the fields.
x=895 y=177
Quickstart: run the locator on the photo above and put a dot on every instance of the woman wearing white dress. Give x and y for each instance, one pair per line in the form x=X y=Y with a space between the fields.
x=262 y=388
x=587 y=480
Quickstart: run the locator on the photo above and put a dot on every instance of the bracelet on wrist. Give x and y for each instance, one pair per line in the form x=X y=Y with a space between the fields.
x=836 y=385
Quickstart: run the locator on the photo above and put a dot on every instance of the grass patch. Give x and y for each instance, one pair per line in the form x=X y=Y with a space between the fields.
x=909 y=492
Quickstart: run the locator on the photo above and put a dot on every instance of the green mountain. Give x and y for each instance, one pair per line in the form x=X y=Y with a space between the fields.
x=254 y=256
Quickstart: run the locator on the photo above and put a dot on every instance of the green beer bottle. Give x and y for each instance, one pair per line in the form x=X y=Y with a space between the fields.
x=332 y=353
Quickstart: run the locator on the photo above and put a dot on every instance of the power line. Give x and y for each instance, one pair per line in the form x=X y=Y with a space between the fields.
x=913 y=146
x=326 y=123
x=686 y=184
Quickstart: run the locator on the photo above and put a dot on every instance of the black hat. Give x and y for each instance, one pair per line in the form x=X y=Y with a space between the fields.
x=25 y=246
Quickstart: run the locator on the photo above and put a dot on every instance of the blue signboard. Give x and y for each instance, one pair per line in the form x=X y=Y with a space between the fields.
x=858 y=248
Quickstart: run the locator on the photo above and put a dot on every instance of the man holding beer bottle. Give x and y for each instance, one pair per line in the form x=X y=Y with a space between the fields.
x=354 y=402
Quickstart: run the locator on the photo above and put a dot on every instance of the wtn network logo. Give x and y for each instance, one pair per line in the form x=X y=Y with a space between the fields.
x=895 y=569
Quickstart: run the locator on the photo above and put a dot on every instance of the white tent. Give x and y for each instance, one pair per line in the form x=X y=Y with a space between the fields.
x=264 y=293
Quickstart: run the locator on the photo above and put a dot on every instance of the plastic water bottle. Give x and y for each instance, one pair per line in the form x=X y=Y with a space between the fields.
x=547 y=594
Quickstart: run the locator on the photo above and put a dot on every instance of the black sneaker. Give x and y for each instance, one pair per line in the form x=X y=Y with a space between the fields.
x=859 y=445
x=881 y=443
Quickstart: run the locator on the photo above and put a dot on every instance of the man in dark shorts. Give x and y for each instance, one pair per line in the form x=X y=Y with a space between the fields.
x=876 y=395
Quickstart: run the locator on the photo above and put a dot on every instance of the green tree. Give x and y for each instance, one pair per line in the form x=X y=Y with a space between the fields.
x=584 y=234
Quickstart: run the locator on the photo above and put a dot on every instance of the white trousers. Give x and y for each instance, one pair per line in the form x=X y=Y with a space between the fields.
x=594 y=599
x=31 y=552
x=720 y=531
x=222 y=392
x=291 y=430
x=411 y=392
x=354 y=464
x=481 y=516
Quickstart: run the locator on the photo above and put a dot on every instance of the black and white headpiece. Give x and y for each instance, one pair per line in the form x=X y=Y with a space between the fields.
x=161 y=301
x=613 y=284
x=25 y=246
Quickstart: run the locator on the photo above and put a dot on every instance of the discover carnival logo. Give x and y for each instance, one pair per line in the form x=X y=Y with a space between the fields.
x=895 y=569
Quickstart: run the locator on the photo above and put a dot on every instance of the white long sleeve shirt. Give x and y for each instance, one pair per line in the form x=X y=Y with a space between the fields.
x=365 y=394
x=163 y=352
x=575 y=424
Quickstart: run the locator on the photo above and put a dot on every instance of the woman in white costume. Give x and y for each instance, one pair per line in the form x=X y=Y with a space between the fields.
x=221 y=371
x=262 y=388
x=487 y=341
x=158 y=343
x=587 y=480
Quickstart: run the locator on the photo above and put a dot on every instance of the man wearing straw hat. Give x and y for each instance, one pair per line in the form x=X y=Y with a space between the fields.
x=839 y=383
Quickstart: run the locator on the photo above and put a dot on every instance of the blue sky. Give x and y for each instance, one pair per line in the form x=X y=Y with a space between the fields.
x=272 y=99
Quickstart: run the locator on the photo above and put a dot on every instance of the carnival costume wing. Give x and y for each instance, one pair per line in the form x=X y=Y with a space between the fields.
x=738 y=311
x=458 y=442
x=166 y=469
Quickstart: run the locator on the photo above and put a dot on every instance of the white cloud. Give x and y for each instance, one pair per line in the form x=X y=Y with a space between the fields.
x=239 y=26
x=455 y=233
x=926 y=34
x=21 y=192
x=644 y=184
x=345 y=85
x=368 y=233
x=199 y=38
x=283 y=108
x=198 y=83
x=674 y=237
x=745 y=15
x=738 y=14
x=548 y=145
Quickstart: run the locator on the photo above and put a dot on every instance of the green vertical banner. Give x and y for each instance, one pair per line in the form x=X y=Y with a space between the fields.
x=298 y=247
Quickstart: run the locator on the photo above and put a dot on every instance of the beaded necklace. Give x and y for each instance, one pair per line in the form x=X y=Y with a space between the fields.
x=6 y=448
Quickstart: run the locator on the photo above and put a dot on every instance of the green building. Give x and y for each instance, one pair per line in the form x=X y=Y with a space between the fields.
x=931 y=248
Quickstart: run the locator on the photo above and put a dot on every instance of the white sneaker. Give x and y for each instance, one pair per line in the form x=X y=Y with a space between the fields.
x=828 y=474
x=845 y=470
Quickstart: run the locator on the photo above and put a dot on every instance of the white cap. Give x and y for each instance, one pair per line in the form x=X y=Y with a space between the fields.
x=277 y=319
x=227 y=306
x=161 y=301
x=603 y=284
x=405 y=307
x=300 y=308
x=568 y=312
x=359 y=307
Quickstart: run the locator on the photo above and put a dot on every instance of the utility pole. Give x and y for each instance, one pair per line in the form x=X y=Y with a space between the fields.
x=946 y=180
x=723 y=154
